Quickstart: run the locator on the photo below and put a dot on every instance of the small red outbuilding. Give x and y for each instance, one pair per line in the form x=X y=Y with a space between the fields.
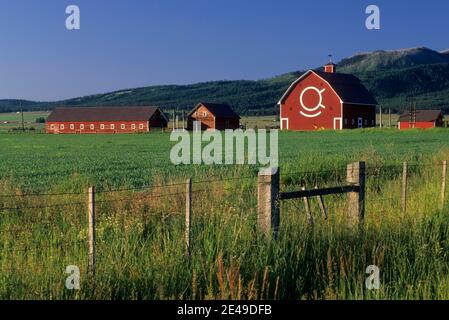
x=216 y=116
x=327 y=100
x=422 y=119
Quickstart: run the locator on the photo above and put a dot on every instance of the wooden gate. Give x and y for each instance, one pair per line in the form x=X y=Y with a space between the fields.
x=269 y=197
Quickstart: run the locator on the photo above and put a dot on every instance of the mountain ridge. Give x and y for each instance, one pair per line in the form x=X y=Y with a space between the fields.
x=395 y=77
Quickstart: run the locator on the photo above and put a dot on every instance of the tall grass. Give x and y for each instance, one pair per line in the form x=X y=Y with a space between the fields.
x=141 y=254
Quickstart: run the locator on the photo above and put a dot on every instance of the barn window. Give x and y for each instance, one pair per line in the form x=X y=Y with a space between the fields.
x=204 y=113
x=123 y=126
x=102 y=126
x=133 y=126
x=141 y=126
x=62 y=127
x=72 y=126
x=112 y=126
x=353 y=122
x=92 y=127
x=52 y=126
x=82 y=126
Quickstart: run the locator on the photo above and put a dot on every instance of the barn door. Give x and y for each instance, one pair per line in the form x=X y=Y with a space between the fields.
x=338 y=124
x=284 y=124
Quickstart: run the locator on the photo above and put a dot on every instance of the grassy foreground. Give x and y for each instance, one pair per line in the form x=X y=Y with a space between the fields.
x=140 y=247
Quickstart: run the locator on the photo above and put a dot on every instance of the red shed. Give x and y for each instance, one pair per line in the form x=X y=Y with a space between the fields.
x=105 y=119
x=423 y=119
x=213 y=116
x=327 y=100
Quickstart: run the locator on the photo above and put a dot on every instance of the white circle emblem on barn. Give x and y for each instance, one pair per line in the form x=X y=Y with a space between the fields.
x=311 y=112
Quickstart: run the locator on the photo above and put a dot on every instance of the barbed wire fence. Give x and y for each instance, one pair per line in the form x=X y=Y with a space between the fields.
x=186 y=191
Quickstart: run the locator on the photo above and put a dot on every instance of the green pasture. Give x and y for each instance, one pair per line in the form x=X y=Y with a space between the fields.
x=140 y=220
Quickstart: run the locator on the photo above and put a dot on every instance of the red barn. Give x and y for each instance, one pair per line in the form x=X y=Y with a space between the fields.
x=423 y=119
x=327 y=100
x=105 y=119
x=213 y=116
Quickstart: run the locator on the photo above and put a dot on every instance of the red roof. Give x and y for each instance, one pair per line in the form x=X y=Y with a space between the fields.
x=347 y=86
x=91 y=114
x=421 y=116
x=219 y=110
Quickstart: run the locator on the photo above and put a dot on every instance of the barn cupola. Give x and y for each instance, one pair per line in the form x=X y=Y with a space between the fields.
x=330 y=67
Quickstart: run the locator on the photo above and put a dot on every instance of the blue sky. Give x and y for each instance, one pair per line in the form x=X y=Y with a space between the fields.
x=125 y=44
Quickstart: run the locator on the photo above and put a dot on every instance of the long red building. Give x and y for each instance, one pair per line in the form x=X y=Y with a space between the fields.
x=327 y=100
x=105 y=120
x=422 y=119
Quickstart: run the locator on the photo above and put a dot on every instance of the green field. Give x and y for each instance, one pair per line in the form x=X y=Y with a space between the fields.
x=140 y=220
x=12 y=120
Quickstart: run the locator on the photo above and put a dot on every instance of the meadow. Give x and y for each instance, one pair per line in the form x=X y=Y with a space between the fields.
x=11 y=120
x=140 y=220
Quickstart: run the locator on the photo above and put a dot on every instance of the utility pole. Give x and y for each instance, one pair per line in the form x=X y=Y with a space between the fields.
x=21 y=112
x=173 y=119
x=389 y=117
x=183 y=119
x=380 y=109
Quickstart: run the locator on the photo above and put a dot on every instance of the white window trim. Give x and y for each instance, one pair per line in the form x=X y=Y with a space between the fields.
x=92 y=126
x=112 y=126
x=122 y=126
x=141 y=126
x=133 y=126
x=102 y=126
x=82 y=126
x=360 y=123
x=72 y=126
x=61 y=126
x=52 y=126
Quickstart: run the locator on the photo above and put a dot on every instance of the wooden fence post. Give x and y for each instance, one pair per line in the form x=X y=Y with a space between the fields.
x=443 y=184
x=404 y=187
x=188 y=214
x=356 y=200
x=268 y=202
x=91 y=231
x=322 y=206
x=308 y=211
